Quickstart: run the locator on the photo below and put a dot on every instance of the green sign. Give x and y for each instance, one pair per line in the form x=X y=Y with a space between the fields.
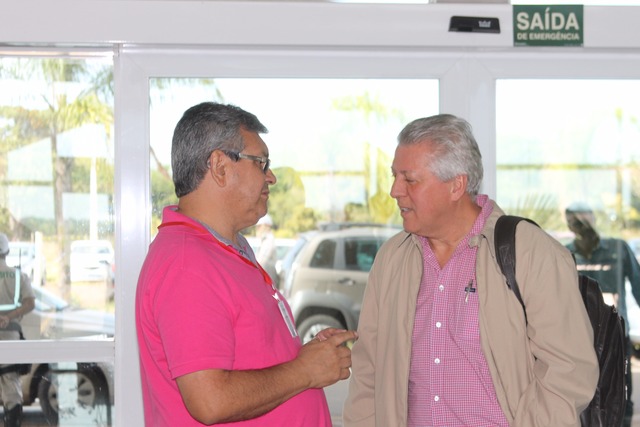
x=548 y=25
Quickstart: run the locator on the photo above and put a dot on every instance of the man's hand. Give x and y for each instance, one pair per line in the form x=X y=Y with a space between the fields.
x=327 y=359
x=215 y=396
x=325 y=334
x=4 y=321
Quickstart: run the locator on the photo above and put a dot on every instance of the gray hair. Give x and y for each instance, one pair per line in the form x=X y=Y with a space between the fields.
x=456 y=150
x=202 y=129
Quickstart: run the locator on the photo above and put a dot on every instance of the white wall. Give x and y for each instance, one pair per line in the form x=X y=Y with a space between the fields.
x=294 y=23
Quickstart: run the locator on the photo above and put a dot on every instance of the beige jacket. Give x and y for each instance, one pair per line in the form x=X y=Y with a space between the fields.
x=544 y=374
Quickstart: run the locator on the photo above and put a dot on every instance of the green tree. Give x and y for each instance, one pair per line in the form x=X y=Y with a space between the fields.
x=542 y=208
x=287 y=201
x=380 y=206
x=162 y=194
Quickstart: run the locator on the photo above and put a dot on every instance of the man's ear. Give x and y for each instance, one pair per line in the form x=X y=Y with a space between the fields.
x=218 y=162
x=459 y=186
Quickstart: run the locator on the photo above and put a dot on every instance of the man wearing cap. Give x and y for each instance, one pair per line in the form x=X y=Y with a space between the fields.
x=611 y=262
x=12 y=309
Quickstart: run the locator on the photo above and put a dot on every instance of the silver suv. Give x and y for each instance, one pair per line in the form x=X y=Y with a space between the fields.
x=327 y=277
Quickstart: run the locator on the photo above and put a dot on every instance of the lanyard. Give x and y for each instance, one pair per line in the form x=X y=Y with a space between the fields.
x=281 y=305
x=265 y=275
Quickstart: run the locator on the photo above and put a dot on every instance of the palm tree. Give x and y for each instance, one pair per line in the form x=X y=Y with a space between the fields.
x=74 y=93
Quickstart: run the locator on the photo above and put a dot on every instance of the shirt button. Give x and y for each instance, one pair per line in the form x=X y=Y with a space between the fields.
x=441 y=288
x=436 y=398
x=437 y=361
x=438 y=324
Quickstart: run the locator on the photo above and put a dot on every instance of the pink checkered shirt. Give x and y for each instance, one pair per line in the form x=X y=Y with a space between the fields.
x=449 y=381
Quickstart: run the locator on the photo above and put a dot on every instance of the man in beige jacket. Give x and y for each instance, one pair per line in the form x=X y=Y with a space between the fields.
x=442 y=340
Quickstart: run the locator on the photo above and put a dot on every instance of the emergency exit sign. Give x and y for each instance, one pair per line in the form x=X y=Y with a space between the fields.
x=548 y=25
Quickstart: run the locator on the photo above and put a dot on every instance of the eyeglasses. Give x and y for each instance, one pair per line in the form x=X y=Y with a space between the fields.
x=265 y=162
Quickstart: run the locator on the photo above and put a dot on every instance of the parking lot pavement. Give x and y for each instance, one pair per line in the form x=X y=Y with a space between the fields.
x=336 y=394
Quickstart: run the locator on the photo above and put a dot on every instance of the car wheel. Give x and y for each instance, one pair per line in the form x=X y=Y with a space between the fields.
x=92 y=396
x=310 y=327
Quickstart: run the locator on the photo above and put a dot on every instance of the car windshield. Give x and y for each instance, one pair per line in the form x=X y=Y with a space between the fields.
x=291 y=253
x=282 y=250
x=20 y=251
x=91 y=249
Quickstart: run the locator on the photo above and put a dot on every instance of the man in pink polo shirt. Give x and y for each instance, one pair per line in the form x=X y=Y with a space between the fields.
x=217 y=341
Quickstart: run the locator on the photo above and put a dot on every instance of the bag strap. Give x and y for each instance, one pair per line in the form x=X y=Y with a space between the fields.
x=505 y=243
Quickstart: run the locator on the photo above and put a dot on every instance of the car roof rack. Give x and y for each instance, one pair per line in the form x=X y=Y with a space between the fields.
x=336 y=226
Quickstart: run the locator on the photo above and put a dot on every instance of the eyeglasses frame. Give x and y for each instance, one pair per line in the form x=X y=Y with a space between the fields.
x=235 y=156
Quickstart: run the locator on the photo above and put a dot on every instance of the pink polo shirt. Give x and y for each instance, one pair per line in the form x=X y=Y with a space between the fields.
x=200 y=306
x=449 y=379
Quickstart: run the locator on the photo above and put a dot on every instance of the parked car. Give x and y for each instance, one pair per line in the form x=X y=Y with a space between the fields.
x=282 y=247
x=54 y=318
x=23 y=255
x=92 y=260
x=285 y=276
x=328 y=276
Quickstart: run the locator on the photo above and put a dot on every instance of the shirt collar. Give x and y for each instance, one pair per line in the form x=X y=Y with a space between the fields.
x=243 y=247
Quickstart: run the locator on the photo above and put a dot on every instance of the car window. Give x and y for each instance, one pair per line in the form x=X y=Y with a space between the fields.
x=324 y=255
x=281 y=251
x=18 y=251
x=359 y=254
x=292 y=253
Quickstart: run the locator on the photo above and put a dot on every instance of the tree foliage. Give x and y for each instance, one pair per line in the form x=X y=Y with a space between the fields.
x=287 y=200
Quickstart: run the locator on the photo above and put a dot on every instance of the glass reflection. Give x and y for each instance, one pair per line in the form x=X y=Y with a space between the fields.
x=566 y=141
x=56 y=190
x=330 y=141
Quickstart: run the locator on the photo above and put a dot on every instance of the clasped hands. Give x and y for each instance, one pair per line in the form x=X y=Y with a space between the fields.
x=4 y=321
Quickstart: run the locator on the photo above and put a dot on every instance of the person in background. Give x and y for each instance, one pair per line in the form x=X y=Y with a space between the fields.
x=612 y=263
x=442 y=340
x=12 y=310
x=267 y=255
x=217 y=341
